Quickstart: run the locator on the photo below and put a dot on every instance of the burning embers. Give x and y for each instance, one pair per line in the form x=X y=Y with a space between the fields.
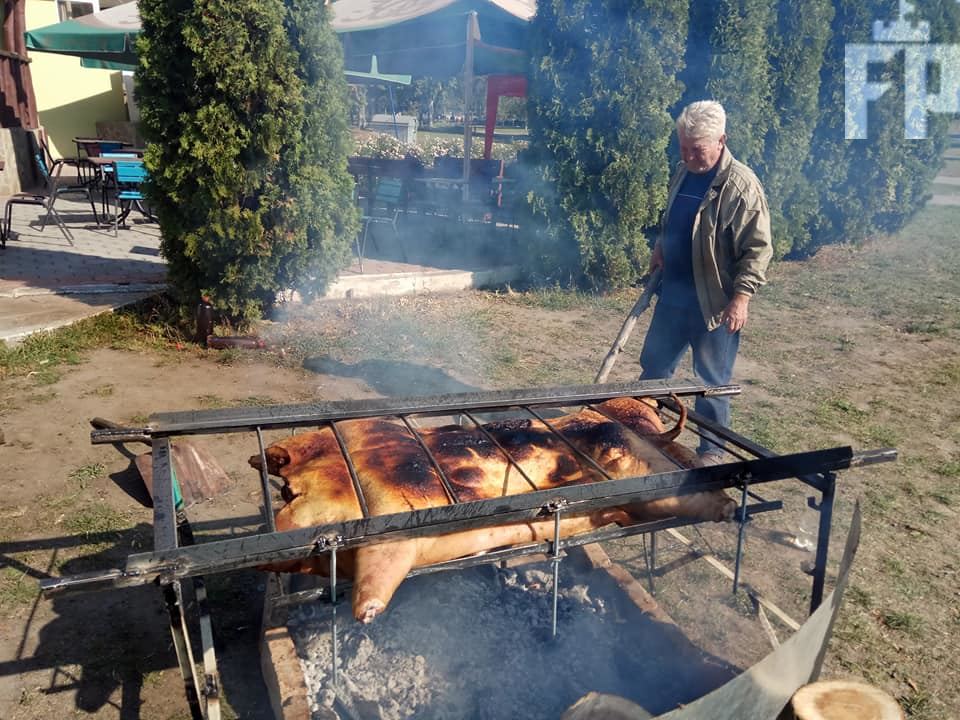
x=362 y=468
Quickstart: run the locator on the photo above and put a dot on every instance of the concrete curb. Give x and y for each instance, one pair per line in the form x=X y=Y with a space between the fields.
x=92 y=289
x=393 y=284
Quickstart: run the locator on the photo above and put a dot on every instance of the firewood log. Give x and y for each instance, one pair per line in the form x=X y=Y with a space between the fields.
x=844 y=700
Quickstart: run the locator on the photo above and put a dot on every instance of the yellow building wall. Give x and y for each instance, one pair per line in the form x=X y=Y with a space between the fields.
x=70 y=98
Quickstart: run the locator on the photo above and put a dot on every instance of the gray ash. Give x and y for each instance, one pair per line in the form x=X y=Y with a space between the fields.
x=476 y=643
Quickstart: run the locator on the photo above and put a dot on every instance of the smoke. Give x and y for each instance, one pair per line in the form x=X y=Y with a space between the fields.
x=392 y=378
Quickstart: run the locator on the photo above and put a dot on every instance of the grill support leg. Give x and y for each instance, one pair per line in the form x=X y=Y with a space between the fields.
x=652 y=561
x=823 y=540
x=556 y=571
x=173 y=597
x=740 y=535
x=268 y=518
x=333 y=616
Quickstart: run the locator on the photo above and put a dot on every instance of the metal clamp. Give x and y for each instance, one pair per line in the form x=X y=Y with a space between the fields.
x=555 y=506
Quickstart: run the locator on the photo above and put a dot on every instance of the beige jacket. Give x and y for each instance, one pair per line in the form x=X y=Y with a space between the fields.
x=731 y=236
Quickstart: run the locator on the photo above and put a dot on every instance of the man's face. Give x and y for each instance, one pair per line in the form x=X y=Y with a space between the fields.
x=700 y=154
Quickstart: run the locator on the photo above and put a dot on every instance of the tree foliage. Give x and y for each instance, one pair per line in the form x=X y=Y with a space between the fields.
x=796 y=54
x=741 y=77
x=602 y=79
x=778 y=68
x=877 y=183
x=244 y=105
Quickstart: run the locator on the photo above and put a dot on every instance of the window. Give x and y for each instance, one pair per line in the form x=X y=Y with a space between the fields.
x=69 y=9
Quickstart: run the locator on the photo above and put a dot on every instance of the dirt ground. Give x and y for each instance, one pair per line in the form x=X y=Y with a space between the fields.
x=856 y=346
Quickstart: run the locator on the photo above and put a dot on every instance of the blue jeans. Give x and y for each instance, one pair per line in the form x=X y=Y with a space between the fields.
x=672 y=331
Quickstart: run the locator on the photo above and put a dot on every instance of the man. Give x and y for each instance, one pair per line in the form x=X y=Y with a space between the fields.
x=714 y=248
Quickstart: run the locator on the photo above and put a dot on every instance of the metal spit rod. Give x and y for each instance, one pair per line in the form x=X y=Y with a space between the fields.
x=265 y=485
x=556 y=570
x=544 y=547
x=354 y=478
x=444 y=480
x=502 y=449
x=286 y=416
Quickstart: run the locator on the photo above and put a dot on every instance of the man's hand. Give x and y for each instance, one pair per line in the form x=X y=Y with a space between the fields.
x=735 y=313
x=656 y=258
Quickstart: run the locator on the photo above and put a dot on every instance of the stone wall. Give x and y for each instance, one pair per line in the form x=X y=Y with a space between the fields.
x=124 y=131
x=19 y=171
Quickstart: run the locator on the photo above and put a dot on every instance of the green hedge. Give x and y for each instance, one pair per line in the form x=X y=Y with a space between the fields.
x=606 y=77
x=244 y=103
x=603 y=77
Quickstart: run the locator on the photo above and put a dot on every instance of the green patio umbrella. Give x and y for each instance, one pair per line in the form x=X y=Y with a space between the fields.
x=420 y=38
x=428 y=37
x=102 y=40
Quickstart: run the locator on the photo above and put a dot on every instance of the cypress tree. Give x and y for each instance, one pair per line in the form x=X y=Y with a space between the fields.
x=602 y=78
x=797 y=47
x=879 y=182
x=741 y=76
x=244 y=105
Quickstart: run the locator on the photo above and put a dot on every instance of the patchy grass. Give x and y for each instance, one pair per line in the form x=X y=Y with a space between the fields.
x=17 y=589
x=83 y=476
x=153 y=324
x=95 y=519
x=215 y=402
x=905 y=622
x=858 y=596
x=557 y=298
x=105 y=390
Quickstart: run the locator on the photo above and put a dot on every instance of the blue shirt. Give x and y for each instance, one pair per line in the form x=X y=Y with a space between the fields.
x=678 y=288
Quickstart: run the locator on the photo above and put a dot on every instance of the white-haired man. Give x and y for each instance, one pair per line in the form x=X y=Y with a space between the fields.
x=713 y=249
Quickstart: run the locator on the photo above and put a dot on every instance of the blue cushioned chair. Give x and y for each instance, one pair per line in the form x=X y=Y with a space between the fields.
x=129 y=176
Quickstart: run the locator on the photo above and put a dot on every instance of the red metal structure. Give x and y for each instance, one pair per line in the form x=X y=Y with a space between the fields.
x=500 y=86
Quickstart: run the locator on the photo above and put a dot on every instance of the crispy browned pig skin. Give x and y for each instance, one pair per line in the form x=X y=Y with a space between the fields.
x=640 y=416
x=396 y=475
x=297 y=449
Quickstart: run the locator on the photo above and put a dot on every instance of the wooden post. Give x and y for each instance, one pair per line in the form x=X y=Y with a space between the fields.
x=473 y=32
x=653 y=283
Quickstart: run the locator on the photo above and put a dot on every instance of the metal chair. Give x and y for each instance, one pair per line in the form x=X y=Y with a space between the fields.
x=383 y=209
x=106 y=179
x=45 y=196
x=129 y=176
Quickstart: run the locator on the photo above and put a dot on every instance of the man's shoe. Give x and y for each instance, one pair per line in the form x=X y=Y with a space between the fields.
x=712 y=457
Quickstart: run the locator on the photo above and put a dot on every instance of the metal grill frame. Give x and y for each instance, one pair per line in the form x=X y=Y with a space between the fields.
x=176 y=559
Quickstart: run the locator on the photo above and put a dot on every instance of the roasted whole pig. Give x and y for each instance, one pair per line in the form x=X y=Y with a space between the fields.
x=626 y=438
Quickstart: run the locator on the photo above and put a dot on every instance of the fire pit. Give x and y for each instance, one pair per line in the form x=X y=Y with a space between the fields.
x=478 y=643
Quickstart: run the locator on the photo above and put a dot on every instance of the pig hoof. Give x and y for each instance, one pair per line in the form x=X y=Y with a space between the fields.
x=369 y=611
x=727 y=510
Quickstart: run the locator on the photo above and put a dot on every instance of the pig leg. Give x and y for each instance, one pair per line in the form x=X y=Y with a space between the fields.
x=713 y=505
x=381 y=568
x=379 y=571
